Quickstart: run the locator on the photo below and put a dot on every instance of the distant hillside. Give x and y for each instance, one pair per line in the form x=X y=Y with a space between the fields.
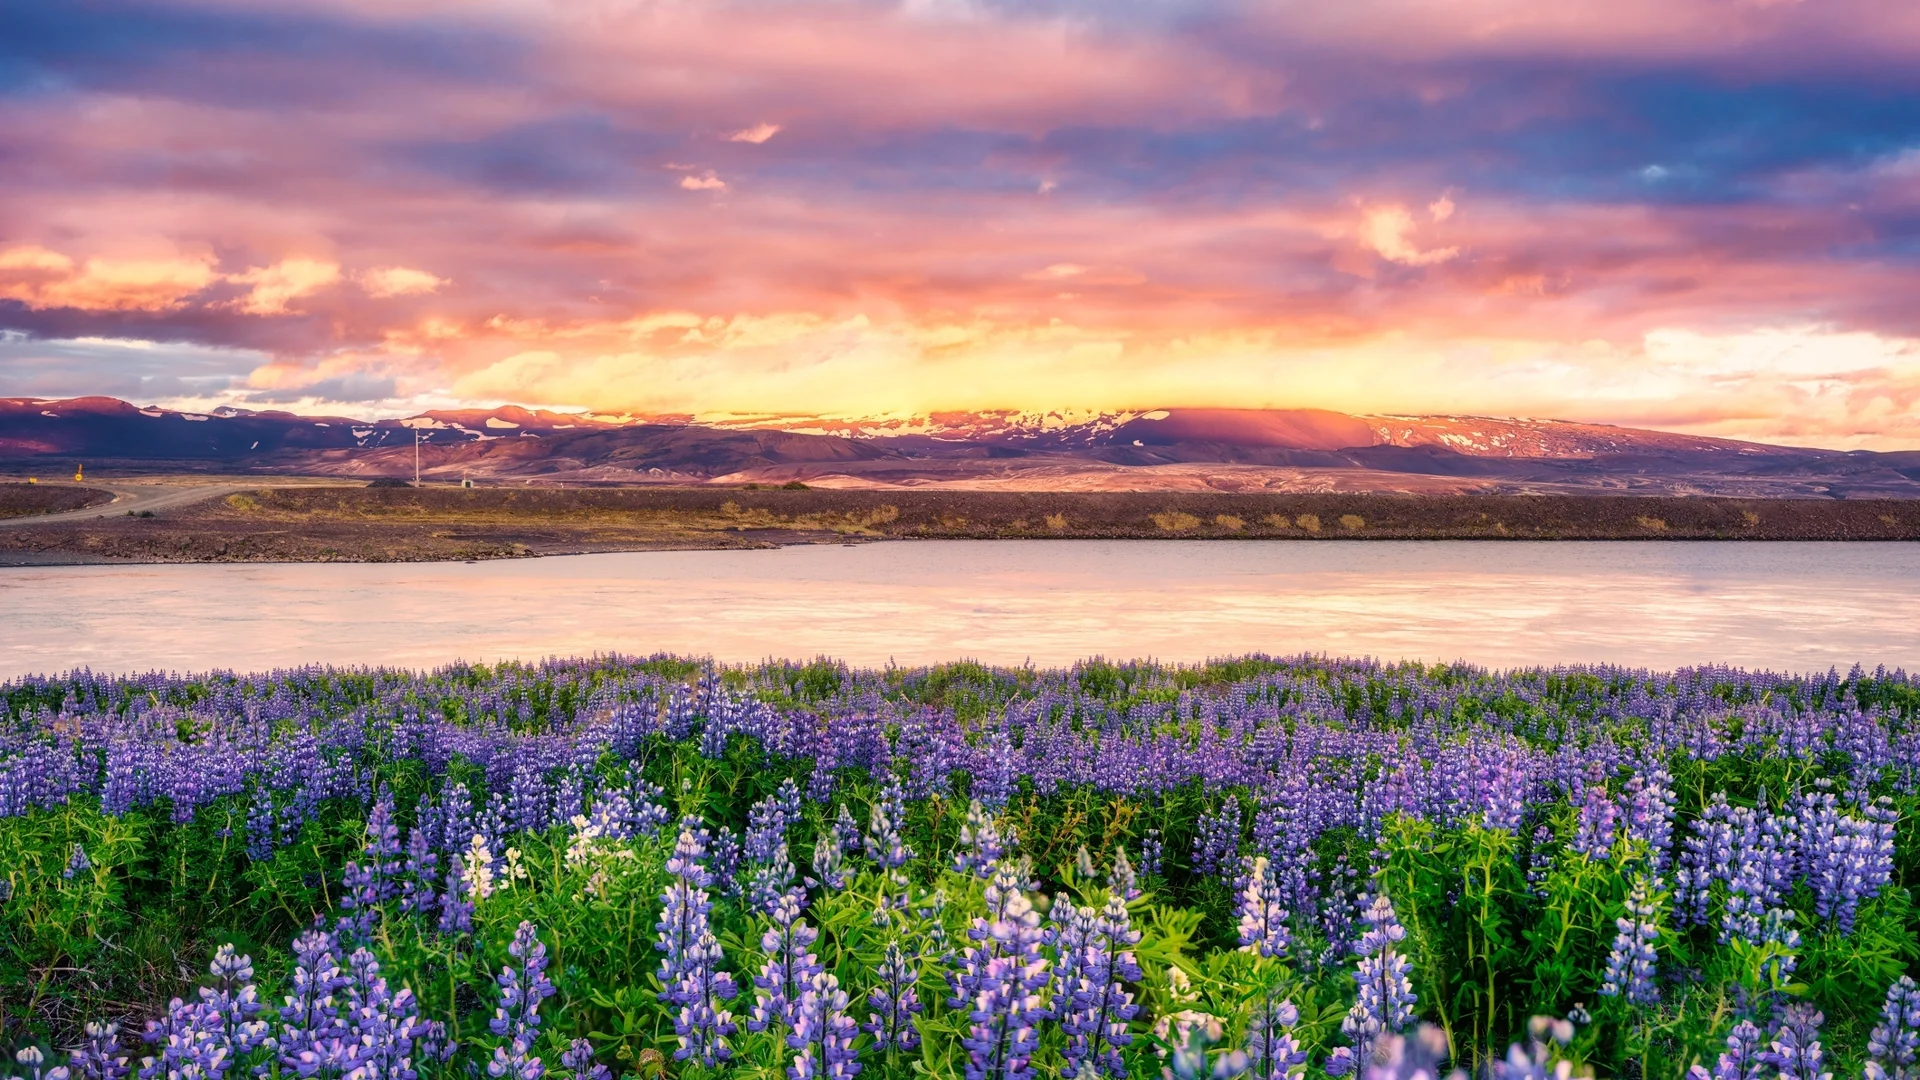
x=1300 y=450
x=1290 y=429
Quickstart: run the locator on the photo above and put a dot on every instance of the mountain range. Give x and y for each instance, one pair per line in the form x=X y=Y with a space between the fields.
x=1161 y=449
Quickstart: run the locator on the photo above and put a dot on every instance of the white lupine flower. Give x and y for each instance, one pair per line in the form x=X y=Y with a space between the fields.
x=476 y=870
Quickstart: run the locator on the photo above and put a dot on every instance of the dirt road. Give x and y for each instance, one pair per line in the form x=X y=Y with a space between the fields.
x=130 y=498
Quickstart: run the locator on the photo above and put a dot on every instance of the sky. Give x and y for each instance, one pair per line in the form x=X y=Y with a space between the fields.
x=1697 y=215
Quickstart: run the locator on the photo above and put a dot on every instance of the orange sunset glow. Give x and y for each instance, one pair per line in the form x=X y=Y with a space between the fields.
x=1697 y=215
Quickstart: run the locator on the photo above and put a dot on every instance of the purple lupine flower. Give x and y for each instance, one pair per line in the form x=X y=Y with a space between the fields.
x=1781 y=941
x=382 y=849
x=1630 y=964
x=1530 y=1062
x=98 y=1056
x=122 y=785
x=432 y=1044
x=846 y=829
x=386 y=1026
x=200 y=1040
x=1894 y=1045
x=723 y=862
x=1505 y=788
x=1647 y=806
x=1795 y=1052
x=1218 y=840
x=418 y=894
x=981 y=845
x=829 y=863
x=1262 y=916
x=1741 y=1059
x=517 y=1017
x=677 y=724
x=690 y=978
x=456 y=911
x=1083 y=867
x=1094 y=1006
x=1151 y=853
x=1339 y=902
x=33 y=1060
x=231 y=1003
x=515 y=1061
x=612 y=815
x=690 y=848
x=770 y=882
x=528 y=798
x=1122 y=881
x=578 y=1059
x=1845 y=859
x=370 y=881
x=1760 y=867
x=1383 y=1003
x=789 y=967
x=77 y=863
x=703 y=1023
x=188 y=1050
x=1272 y=1051
x=713 y=734
x=1707 y=850
x=429 y=819
x=1010 y=928
x=1539 y=859
x=1593 y=838
x=893 y=1002
x=645 y=806
x=1189 y=1058
x=311 y=1032
x=683 y=915
x=569 y=796
x=1403 y=1057
x=887 y=814
x=1068 y=930
x=262 y=831
x=768 y=821
x=830 y=852
x=458 y=822
x=1000 y=1037
x=823 y=1033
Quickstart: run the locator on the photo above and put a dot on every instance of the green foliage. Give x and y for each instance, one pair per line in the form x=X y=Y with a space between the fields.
x=1490 y=947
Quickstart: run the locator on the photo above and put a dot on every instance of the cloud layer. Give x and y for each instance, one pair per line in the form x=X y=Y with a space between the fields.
x=1701 y=214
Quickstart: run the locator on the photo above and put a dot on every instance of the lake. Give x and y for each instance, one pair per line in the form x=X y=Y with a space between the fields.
x=1789 y=606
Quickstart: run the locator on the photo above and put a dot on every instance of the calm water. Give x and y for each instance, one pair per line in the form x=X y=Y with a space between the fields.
x=1785 y=606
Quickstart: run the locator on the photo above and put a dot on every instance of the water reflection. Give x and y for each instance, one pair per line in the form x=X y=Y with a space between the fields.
x=1786 y=606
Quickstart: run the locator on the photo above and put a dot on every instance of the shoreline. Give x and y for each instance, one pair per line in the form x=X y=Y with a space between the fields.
x=320 y=524
x=10 y=560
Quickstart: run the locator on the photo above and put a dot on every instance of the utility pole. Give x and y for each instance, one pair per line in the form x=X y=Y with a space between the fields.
x=416 y=457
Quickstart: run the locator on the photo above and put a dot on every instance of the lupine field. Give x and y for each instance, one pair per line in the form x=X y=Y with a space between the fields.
x=617 y=867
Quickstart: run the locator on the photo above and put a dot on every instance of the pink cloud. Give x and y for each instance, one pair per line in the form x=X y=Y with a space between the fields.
x=756 y=134
x=41 y=278
x=273 y=288
x=1387 y=230
x=903 y=192
x=382 y=282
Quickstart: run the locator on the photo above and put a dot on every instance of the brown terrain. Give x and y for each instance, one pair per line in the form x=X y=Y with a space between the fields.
x=30 y=500
x=341 y=523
